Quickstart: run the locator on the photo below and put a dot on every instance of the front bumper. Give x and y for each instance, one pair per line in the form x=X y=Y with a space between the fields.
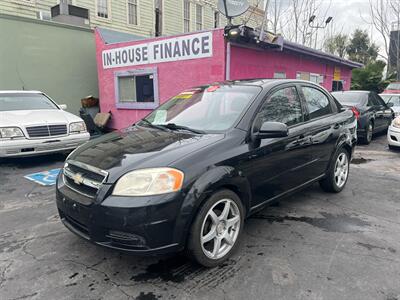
x=138 y=225
x=393 y=136
x=29 y=147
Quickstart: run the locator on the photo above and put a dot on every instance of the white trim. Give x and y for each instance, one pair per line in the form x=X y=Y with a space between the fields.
x=31 y=3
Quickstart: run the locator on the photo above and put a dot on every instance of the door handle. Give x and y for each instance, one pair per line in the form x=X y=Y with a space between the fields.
x=336 y=126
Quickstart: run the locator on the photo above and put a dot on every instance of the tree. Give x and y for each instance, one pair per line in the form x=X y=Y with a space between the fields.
x=360 y=48
x=383 y=13
x=369 y=77
x=337 y=45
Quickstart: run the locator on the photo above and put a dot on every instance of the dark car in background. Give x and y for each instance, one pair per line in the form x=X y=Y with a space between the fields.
x=187 y=175
x=372 y=113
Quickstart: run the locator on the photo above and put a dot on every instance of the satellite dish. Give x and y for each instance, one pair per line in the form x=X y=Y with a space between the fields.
x=233 y=8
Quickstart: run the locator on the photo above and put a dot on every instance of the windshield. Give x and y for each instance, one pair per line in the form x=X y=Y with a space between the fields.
x=391 y=99
x=23 y=101
x=211 y=108
x=393 y=86
x=350 y=98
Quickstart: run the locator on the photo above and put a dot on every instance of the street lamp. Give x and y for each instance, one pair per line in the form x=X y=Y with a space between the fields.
x=318 y=26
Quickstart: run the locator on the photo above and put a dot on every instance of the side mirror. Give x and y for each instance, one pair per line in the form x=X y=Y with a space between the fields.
x=272 y=130
x=390 y=104
x=63 y=106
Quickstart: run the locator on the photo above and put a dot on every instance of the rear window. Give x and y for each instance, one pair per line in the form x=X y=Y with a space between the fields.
x=350 y=98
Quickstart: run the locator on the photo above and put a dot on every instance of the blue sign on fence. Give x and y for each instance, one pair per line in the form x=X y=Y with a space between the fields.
x=45 y=177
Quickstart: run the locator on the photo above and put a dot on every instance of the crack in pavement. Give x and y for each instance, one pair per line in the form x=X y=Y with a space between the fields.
x=25 y=296
x=3 y=273
x=91 y=267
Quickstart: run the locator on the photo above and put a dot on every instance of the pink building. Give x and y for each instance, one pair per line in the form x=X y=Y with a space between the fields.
x=137 y=74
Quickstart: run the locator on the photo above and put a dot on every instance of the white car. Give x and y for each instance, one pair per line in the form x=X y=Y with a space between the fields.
x=393 y=100
x=393 y=134
x=31 y=123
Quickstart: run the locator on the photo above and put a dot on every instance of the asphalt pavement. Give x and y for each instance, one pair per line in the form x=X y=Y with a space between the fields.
x=312 y=245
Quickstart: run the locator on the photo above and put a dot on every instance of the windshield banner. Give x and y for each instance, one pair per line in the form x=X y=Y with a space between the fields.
x=180 y=48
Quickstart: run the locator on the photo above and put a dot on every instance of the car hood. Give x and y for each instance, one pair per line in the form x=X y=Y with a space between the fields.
x=139 y=147
x=36 y=117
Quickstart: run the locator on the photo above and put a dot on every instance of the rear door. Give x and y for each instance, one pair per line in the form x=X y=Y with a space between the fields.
x=322 y=128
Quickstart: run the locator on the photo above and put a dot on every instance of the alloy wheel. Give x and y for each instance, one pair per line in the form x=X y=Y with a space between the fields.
x=341 y=169
x=220 y=229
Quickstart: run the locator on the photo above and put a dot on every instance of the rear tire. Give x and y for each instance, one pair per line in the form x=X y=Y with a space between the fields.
x=338 y=173
x=369 y=130
x=216 y=230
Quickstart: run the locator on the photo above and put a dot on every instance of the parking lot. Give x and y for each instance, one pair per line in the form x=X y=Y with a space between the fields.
x=312 y=245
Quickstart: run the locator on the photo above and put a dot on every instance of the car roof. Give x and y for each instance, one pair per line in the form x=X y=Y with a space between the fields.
x=364 y=92
x=19 y=92
x=262 y=82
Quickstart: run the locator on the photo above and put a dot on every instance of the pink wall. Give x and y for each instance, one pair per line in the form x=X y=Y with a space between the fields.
x=250 y=63
x=173 y=77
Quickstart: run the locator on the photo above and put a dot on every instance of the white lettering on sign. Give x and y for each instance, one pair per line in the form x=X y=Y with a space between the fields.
x=180 y=48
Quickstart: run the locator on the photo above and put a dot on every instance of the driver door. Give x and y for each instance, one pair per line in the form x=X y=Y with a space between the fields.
x=274 y=165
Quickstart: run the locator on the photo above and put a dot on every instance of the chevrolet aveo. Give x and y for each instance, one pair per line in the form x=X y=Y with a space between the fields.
x=187 y=175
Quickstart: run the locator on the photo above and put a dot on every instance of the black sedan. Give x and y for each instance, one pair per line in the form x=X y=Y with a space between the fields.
x=187 y=175
x=373 y=114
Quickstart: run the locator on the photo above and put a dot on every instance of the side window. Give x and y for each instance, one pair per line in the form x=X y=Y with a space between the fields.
x=317 y=102
x=282 y=106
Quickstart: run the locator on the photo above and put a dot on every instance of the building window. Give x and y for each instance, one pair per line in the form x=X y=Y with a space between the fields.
x=137 y=89
x=103 y=8
x=199 y=17
x=279 y=75
x=159 y=17
x=216 y=19
x=133 y=12
x=186 y=15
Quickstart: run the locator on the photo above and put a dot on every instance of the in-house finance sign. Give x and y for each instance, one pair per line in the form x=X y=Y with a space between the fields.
x=180 y=48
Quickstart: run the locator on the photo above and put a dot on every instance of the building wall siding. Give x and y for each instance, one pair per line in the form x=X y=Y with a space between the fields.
x=118 y=19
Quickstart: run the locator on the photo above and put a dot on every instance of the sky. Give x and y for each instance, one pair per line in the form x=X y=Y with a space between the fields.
x=348 y=15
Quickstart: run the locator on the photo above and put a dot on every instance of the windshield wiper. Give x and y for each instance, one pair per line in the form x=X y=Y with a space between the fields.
x=174 y=126
x=147 y=122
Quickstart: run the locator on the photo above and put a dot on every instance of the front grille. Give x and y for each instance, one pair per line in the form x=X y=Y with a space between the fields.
x=46 y=130
x=83 y=178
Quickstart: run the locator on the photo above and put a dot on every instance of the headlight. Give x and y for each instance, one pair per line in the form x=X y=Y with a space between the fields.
x=77 y=127
x=148 y=182
x=11 y=132
x=396 y=122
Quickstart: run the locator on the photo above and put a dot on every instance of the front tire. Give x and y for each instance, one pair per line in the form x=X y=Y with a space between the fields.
x=215 y=233
x=338 y=172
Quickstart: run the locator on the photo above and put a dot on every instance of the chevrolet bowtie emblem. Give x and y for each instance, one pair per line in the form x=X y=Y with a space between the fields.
x=77 y=178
